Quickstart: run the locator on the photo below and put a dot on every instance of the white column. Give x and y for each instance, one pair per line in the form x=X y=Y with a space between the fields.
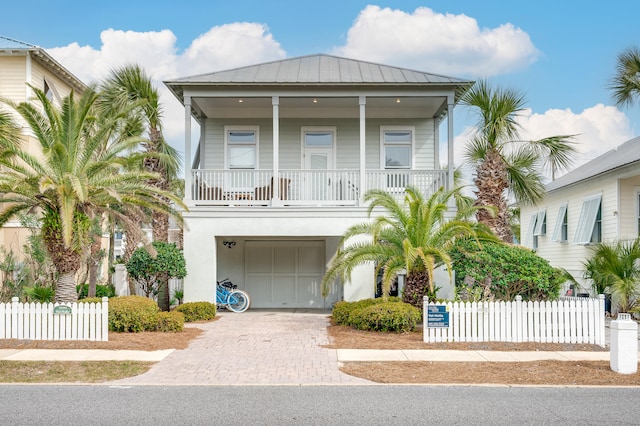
x=624 y=345
x=187 y=151
x=363 y=155
x=275 y=102
x=450 y=166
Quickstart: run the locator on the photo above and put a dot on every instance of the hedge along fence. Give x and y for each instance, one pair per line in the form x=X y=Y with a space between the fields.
x=49 y=321
x=566 y=321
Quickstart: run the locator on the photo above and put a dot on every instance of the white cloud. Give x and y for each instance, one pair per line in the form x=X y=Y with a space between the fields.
x=157 y=54
x=439 y=43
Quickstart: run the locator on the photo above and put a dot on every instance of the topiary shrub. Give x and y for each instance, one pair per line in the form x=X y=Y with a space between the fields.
x=132 y=314
x=169 y=322
x=342 y=310
x=386 y=317
x=197 y=311
x=507 y=271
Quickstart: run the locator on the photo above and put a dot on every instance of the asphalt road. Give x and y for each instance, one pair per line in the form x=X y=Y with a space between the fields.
x=315 y=405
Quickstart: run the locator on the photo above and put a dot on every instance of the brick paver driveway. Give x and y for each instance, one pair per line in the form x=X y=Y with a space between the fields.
x=263 y=347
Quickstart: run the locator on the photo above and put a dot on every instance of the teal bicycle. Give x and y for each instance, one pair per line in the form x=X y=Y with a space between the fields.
x=229 y=297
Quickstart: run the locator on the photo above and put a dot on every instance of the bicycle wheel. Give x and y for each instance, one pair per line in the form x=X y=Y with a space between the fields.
x=238 y=301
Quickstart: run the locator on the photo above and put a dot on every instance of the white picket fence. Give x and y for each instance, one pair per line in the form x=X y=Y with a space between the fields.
x=49 y=321
x=579 y=320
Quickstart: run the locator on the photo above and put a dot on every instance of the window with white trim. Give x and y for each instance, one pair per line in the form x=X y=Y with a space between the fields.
x=561 y=228
x=530 y=239
x=241 y=148
x=397 y=154
x=541 y=224
x=589 y=229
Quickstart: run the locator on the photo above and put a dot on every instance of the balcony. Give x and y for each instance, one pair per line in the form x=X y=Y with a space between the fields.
x=305 y=187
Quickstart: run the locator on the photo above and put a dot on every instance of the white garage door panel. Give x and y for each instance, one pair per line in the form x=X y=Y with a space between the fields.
x=284 y=274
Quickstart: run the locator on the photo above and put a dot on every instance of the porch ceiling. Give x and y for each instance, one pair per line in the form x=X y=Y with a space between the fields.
x=318 y=107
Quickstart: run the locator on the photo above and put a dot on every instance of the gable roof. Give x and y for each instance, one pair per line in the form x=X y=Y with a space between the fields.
x=12 y=47
x=622 y=155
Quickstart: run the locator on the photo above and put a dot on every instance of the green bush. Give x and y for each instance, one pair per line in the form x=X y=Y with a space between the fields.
x=342 y=310
x=197 y=311
x=102 y=290
x=169 y=322
x=132 y=314
x=387 y=317
x=508 y=270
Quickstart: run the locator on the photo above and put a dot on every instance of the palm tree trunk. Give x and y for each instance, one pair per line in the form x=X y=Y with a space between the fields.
x=66 y=288
x=491 y=182
x=94 y=261
x=130 y=246
x=416 y=286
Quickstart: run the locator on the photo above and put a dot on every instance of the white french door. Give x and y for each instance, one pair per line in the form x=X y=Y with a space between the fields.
x=319 y=160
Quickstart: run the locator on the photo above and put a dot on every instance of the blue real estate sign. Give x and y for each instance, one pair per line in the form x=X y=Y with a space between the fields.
x=437 y=316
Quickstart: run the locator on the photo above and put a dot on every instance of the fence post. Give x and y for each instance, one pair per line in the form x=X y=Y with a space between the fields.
x=14 y=318
x=105 y=319
x=519 y=321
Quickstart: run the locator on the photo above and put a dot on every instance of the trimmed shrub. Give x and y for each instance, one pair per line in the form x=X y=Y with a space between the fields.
x=102 y=290
x=387 y=317
x=132 y=314
x=507 y=270
x=197 y=311
x=342 y=310
x=169 y=322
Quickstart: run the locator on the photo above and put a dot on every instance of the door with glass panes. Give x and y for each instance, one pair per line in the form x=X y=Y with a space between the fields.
x=320 y=179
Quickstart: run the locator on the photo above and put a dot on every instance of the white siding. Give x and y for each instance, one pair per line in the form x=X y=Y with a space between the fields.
x=566 y=254
x=12 y=77
x=628 y=209
x=347 y=142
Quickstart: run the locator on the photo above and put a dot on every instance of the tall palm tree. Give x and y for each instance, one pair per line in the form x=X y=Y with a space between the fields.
x=615 y=267
x=505 y=165
x=625 y=85
x=130 y=84
x=412 y=237
x=83 y=172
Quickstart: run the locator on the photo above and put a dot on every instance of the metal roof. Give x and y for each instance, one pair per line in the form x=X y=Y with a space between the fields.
x=319 y=69
x=623 y=155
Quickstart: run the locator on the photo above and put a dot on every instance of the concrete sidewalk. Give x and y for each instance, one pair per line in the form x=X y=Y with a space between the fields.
x=343 y=355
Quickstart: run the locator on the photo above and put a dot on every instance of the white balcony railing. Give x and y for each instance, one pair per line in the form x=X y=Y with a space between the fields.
x=304 y=187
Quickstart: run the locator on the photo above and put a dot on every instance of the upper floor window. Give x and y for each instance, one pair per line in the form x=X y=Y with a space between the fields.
x=242 y=148
x=397 y=148
x=541 y=224
x=561 y=228
x=589 y=229
x=531 y=240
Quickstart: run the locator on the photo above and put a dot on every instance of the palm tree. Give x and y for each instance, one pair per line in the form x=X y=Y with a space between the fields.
x=411 y=237
x=504 y=164
x=83 y=172
x=127 y=85
x=616 y=267
x=625 y=85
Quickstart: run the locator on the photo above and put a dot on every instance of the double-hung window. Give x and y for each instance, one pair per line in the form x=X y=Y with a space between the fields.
x=397 y=154
x=589 y=229
x=241 y=154
x=561 y=228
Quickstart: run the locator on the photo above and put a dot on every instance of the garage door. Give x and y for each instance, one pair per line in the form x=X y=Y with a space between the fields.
x=284 y=274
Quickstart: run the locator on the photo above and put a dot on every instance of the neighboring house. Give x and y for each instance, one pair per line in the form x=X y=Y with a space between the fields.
x=22 y=64
x=597 y=202
x=286 y=151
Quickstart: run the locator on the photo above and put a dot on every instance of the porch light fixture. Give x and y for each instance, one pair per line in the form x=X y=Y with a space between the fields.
x=240 y=101
x=315 y=100
x=397 y=100
x=228 y=244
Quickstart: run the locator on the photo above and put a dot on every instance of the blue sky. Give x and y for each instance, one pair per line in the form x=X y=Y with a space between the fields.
x=560 y=54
